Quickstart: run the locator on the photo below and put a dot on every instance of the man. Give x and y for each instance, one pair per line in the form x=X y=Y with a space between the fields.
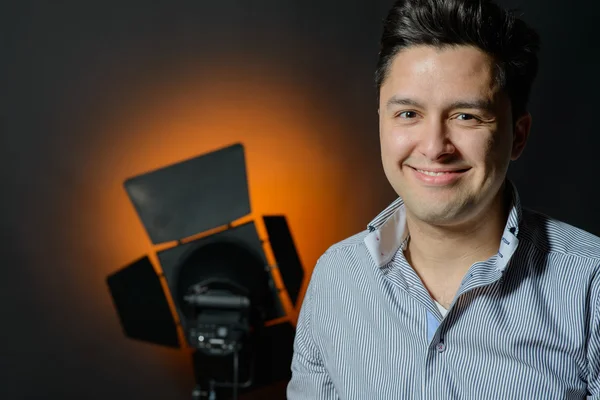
x=454 y=291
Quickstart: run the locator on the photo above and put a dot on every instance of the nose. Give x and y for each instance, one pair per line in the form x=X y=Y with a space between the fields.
x=434 y=141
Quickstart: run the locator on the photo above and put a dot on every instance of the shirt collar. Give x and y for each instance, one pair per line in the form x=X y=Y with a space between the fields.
x=388 y=233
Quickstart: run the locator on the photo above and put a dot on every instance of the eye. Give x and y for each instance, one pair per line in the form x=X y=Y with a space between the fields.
x=466 y=117
x=407 y=114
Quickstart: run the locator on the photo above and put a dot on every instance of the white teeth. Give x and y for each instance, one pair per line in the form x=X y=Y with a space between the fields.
x=431 y=173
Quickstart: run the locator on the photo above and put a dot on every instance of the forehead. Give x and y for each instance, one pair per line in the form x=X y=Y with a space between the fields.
x=434 y=73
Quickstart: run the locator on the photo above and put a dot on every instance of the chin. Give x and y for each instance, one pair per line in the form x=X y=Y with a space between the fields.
x=439 y=214
x=438 y=219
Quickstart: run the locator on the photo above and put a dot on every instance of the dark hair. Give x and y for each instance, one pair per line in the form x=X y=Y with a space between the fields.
x=480 y=23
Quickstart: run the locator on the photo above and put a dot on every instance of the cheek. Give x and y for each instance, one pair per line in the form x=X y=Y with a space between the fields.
x=478 y=151
x=499 y=149
x=396 y=144
x=486 y=151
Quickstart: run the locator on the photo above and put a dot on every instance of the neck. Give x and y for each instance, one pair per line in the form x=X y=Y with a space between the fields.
x=456 y=248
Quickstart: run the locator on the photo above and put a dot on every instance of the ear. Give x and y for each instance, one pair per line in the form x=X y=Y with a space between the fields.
x=520 y=134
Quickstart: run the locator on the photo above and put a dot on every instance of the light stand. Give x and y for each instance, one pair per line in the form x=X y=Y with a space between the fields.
x=219 y=318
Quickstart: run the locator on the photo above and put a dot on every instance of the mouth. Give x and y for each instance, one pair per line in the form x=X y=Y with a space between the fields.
x=439 y=176
x=440 y=173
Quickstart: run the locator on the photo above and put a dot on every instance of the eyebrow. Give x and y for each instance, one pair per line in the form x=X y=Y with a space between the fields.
x=479 y=104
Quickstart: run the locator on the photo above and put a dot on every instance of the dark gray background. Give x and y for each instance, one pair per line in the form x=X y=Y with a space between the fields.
x=66 y=65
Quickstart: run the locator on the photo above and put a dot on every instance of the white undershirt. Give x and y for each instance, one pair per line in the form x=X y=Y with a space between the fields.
x=443 y=311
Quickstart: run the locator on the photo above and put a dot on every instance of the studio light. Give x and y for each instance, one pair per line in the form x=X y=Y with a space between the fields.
x=221 y=285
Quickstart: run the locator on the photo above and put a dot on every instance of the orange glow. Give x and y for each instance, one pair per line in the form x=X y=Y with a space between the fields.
x=279 y=122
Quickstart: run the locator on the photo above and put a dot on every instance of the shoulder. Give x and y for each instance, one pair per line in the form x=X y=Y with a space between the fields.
x=341 y=255
x=554 y=236
x=351 y=243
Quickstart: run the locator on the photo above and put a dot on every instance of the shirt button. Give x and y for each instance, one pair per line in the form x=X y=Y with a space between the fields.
x=441 y=347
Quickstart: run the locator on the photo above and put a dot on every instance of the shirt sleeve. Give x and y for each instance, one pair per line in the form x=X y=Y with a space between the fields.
x=310 y=379
x=594 y=342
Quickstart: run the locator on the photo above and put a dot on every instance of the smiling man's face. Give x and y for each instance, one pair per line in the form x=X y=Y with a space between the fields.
x=446 y=132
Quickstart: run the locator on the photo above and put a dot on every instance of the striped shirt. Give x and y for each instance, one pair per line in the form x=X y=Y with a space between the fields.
x=525 y=324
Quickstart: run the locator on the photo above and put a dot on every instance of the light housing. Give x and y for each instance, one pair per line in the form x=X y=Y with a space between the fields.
x=220 y=284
